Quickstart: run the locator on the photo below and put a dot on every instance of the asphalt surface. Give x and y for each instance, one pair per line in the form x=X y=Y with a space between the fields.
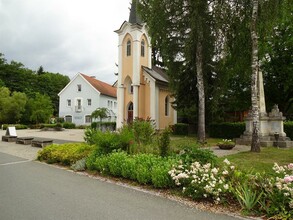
x=31 y=190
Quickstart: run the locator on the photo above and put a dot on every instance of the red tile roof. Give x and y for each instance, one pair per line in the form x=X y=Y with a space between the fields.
x=102 y=87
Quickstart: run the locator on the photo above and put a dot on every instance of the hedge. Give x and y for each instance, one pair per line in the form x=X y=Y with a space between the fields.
x=180 y=129
x=288 y=129
x=226 y=130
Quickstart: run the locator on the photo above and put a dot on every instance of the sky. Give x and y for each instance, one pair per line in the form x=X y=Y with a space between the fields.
x=63 y=36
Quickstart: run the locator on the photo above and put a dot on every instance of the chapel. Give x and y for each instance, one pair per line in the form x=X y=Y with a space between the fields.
x=142 y=89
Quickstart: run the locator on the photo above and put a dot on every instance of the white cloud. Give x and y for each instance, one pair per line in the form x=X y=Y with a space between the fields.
x=65 y=36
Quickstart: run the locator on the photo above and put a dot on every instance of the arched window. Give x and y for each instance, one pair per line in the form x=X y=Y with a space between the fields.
x=142 y=48
x=167 y=106
x=128 y=48
x=128 y=85
x=68 y=118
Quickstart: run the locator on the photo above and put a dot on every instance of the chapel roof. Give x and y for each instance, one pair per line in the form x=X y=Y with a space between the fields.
x=102 y=87
x=134 y=17
x=157 y=73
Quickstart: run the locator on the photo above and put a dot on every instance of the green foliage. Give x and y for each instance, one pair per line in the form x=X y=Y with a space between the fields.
x=39 y=108
x=68 y=125
x=180 y=129
x=164 y=142
x=18 y=78
x=189 y=155
x=12 y=106
x=100 y=113
x=247 y=197
x=107 y=141
x=143 y=131
x=226 y=130
x=17 y=126
x=288 y=128
x=66 y=154
x=143 y=168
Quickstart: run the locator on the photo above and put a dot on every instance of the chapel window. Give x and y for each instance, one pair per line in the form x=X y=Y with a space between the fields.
x=128 y=48
x=142 y=48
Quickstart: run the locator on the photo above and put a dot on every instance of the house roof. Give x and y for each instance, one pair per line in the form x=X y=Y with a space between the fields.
x=157 y=73
x=102 y=87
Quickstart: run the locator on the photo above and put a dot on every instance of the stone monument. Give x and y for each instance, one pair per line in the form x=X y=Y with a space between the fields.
x=271 y=126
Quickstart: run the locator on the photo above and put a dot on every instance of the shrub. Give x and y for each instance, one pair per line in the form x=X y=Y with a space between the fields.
x=201 y=181
x=226 y=130
x=69 y=125
x=66 y=154
x=189 y=155
x=180 y=129
x=143 y=168
x=143 y=131
x=288 y=129
x=164 y=142
x=17 y=126
x=160 y=175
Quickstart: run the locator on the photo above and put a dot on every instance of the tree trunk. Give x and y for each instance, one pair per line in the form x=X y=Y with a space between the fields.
x=200 y=88
x=255 y=143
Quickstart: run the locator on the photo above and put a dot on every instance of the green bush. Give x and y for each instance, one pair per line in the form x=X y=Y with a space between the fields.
x=143 y=131
x=226 y=130
x=66 y=154
x=288 y=129
x=69 y=125
x=160 y=173
x=143 y=168
x=108 y=141
x=17 y=126
x=180 y=129
x=164 y=142
x=189 y=155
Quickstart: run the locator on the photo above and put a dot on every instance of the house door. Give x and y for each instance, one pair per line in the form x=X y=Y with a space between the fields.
x=130 y=113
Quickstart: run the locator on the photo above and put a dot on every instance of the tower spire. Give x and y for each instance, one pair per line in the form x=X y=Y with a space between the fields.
x=134 y=17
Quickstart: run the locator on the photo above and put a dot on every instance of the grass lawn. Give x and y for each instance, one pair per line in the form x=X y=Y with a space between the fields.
x=263 y=161
x=179 y=142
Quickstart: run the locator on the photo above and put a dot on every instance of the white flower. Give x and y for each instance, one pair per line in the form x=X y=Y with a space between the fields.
x=225 y=172
x=226 y=186
x=226 y=161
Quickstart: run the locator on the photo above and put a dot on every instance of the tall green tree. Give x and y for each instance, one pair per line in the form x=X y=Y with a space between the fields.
x=12 y=106
x=181 y=34
x=40 y=108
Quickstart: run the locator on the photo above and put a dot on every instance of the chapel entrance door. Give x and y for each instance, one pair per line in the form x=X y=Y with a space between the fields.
x=130 y=113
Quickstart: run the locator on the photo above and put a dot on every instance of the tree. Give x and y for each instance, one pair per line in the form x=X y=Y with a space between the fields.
x=40 y=108
x=181 y=34
x=12 y=106
x=255 y=143
x=100 y=113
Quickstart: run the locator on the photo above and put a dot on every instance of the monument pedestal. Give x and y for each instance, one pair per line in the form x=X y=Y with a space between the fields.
x=271 y=130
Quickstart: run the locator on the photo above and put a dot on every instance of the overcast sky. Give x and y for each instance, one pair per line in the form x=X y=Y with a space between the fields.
x=64 y=36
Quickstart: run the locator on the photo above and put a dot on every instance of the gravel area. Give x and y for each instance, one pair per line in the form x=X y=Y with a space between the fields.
x=29 y=152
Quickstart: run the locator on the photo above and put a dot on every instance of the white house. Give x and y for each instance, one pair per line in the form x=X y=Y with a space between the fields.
x=84 y=94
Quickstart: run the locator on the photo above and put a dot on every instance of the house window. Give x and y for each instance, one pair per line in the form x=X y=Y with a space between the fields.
x=78 y=106
x=115 y=105
x=89 y=102
x=142 y=48
x=128 y=48
x=68 y=118
x=78 y=87
x=88 y=119
x=167 y=104
x=68 y=102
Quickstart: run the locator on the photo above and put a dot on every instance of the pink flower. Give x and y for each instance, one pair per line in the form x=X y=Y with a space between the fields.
x=290 y=166
x=288 y=179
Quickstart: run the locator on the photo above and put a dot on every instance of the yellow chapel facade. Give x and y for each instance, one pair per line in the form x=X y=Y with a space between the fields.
x=142 y=89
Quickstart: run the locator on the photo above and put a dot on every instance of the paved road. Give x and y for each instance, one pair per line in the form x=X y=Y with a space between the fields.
x=34 y=191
